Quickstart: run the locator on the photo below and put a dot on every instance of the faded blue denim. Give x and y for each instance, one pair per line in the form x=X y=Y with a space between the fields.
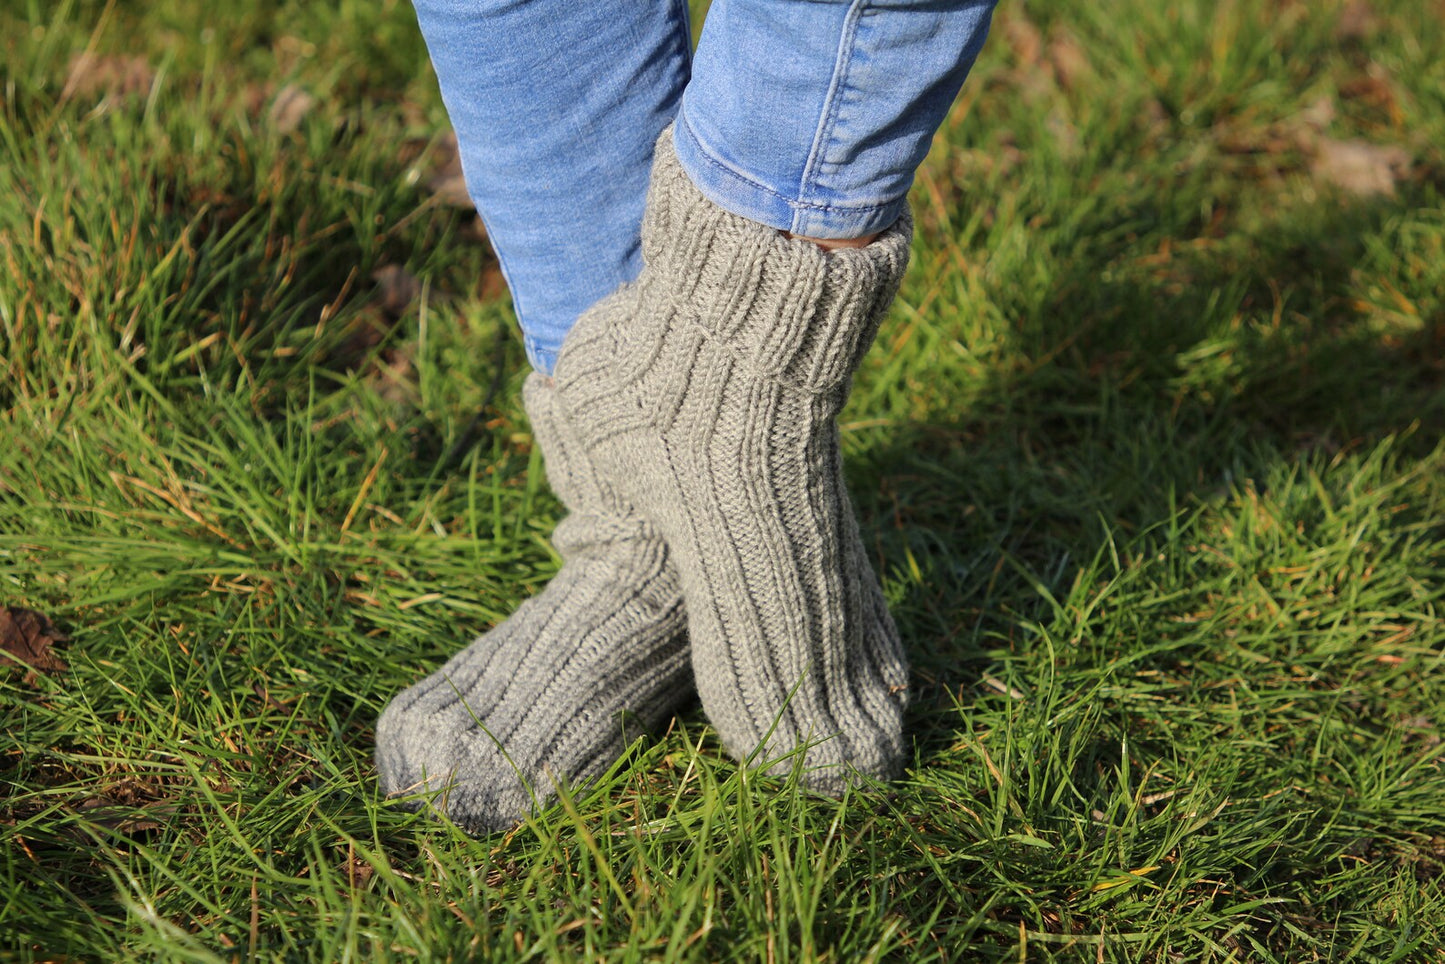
x=808 y=115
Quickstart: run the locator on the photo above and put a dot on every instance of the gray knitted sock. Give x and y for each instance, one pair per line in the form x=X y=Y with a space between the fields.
x=708 y=392
x=541 y=697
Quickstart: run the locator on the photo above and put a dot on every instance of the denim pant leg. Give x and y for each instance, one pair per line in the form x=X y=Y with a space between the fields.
x=557 y=107
x=812 y=117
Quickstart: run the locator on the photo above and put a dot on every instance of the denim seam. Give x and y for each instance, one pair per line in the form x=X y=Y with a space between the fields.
x=542 y=358
x=706 y=153
x=832 y=101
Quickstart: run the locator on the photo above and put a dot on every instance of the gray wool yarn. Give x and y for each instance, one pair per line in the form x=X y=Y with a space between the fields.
x=708 y=392
x=543 y=697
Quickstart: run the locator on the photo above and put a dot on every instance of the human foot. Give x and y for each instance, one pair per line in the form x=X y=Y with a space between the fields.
x=708 y=392
x=541 y=698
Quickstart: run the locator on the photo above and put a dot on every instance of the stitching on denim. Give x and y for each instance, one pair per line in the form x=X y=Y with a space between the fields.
x=724 y=169
x=832 y=101
x=537 y=353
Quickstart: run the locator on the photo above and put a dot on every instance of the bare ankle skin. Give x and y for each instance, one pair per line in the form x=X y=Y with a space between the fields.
x=831 y=244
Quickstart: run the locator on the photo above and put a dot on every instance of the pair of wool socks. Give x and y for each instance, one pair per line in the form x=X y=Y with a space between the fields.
x=691 y=430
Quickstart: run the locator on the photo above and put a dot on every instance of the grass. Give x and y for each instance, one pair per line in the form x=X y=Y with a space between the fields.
x=1149 y=457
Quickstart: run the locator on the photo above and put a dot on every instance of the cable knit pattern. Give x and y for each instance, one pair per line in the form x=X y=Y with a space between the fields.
x=544 y=696
x=708 y=391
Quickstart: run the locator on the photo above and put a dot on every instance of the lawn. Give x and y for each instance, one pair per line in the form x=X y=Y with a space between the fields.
x=1148 y=455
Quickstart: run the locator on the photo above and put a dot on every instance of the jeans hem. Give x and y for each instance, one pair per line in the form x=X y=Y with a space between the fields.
x=735 y=192
x=542 y=359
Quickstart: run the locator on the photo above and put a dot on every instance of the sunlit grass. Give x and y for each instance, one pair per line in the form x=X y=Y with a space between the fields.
x=1148 y=454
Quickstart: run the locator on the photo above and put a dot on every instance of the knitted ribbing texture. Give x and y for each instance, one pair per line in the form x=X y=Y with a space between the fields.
x=708 y=391
x=543 y=697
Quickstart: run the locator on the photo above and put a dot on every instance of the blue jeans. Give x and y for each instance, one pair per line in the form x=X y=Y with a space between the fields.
x=807 y=115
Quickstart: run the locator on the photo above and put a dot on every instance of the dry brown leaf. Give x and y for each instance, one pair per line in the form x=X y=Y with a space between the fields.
x=492 y=284
x=26 y=638
x=1068 y=60
x=290 y=108
x=1319 y=115
x=1357 y=21
x=271 y=702
x=1374 y=89
x=392 y=378
x=92 y=73
x=1359 y=167
x=365 y=328
x=450 y=187
x=1034 y=78
x=1024 y=39
x=396 y=288
x=254 y=97
x=129 y=819
x=1155 y=116
x=446 y=180
x=358 y=871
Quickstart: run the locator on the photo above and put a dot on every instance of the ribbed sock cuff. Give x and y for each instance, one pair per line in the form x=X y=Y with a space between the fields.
x=785 y=307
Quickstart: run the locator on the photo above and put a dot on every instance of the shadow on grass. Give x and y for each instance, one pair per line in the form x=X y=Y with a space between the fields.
x=1165 y=380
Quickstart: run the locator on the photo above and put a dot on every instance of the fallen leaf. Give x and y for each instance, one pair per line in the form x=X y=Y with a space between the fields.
x=1359 y=167
x=91 y=73
x=254 y=97
x=129 y=819
x=1024 y=39
x=1357 y=21
x=392 y=377
x=492 y=284
x=1374 y=90
x=396 y=288
x=446 y=180
x=25 y=638
x=364 y=328
x=1155 y=116
x=1285 y=145
x=271 y=702
x=1318 y=115
x=290 y=108
x=358 y=871
x=1068 y=60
